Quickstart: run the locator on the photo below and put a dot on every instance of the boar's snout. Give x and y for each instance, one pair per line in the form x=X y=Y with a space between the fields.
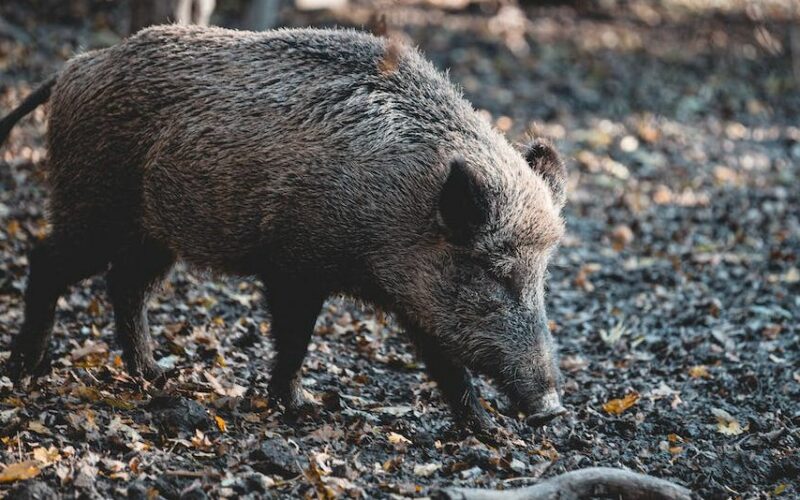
x=535 y=380
x=545 y=409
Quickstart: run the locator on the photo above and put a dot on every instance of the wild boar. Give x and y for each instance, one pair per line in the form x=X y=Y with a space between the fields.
x=320 y=161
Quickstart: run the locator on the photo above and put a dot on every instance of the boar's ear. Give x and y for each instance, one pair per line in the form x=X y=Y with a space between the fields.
x=543 y=158
x=463 y=206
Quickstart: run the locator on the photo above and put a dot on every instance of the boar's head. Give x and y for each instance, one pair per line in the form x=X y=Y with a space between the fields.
x=478 y=281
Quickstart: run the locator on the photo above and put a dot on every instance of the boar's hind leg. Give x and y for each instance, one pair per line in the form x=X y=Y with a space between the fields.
x=130 y=281
x=53 y=266
x=294 y=313
x=456 y=385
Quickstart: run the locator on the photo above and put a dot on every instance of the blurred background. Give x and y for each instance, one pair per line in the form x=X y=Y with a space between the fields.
x=678 y=279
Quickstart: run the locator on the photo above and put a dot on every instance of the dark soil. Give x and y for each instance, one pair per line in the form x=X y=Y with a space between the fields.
x=678 y=280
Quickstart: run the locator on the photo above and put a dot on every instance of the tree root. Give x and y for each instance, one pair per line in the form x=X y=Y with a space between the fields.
x=594 y=482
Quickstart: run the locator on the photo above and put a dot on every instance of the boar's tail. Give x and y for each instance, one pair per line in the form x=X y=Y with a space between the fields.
x=37 y=97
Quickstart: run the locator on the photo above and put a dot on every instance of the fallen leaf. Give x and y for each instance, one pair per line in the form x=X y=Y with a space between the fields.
x=38 y=428
x=46 y=456
x=425 y=470
x=90 y=349
x=548 y=451
x=621 y=237
x=19 y=471
x=95 y=309
x=699 y=371
x=396 y=438
x=618 y=406
x=200 y=441
x=727 y=423
x=612 y=336
x=221 y=424
x=392 y=464
x=235 y=391
x=779 y=489
x=12 y=228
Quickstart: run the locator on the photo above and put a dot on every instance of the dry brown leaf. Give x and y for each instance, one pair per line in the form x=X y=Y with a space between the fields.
x=392 y=464
x=618 y=406
x=95 y=308
x=19 y=471
x=548 y=451
x=200 y=441
x=12 y=228
x=38 y=428
x=89 y=347
x=235 y=391
x=621 y=237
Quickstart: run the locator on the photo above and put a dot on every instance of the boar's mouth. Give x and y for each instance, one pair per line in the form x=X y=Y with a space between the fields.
x=536 y=395
x=547 y=408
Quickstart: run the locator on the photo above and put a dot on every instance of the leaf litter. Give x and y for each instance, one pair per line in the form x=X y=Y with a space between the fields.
x=682 y=246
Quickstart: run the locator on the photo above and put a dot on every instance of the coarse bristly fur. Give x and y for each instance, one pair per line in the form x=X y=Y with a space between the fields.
x=321 y=161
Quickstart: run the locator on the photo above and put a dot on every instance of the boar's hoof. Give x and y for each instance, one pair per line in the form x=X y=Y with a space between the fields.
x=150 y=372
x=480 y=424
x=22 y=364
x=295 y=405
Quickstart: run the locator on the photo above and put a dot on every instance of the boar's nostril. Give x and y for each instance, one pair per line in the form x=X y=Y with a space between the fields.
x=549 y=407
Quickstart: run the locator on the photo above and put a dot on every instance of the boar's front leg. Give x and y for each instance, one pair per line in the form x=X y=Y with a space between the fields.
x=130 y=281
x=455 y=383
x=294 y=313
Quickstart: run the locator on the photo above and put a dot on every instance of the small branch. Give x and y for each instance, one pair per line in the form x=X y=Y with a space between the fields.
x=194 y=474
x=580 y=484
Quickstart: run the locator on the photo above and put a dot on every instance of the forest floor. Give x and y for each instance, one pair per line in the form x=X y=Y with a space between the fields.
x=676 y=289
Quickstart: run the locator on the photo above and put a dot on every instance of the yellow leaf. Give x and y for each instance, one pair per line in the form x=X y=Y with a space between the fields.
x=219 y=360
x=12 y=229
x=617 y=406
x=396 y=438
x=223 y=426
x=18 y=471
x=779 y=489
x=699 y=371
x=727 y=424
x=46 y=456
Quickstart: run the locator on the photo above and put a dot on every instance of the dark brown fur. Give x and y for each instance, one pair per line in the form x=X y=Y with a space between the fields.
x=301 y=157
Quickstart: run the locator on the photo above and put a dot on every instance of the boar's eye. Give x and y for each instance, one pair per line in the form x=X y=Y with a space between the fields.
x=463 y=206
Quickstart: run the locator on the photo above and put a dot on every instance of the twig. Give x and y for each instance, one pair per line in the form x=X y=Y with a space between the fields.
x=193 y=473
x=580 y=484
